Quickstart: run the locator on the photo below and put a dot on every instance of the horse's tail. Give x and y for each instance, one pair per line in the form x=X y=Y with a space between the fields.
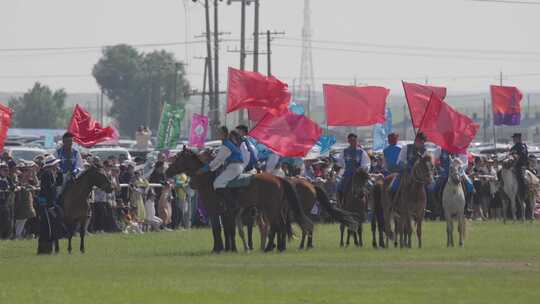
x=294 y=203
x=349 y=219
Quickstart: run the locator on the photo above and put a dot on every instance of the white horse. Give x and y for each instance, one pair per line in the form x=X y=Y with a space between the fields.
x=453 y=202
x=533 y=184
x=510 y=188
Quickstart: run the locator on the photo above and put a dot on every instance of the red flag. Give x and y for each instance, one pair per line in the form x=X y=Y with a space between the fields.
x=289 y=135
x=506 y=105
x=418 y=96
x=447 y=127
x=5 y=123
x=251 y=90
x=86 y=131
x=354 y=106
x=255 y=115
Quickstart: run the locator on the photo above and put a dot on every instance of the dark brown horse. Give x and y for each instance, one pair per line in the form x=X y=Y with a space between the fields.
x=355 y=198
x=74 y=200
x=412 y=200
x=378 y=216
x=309 y=194
x=272 y=196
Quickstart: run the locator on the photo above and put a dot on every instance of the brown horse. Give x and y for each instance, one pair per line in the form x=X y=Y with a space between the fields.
x=74 y=200
x=272 y=196
x=355 y=198
x=309 y=194
x=412 y=200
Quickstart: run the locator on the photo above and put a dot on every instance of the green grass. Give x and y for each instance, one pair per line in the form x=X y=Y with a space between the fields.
x=499 y=264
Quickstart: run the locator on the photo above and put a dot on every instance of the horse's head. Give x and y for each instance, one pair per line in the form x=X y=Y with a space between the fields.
x=455 y=167
x=508 y=163
x=359 y=182
x=423 y=170
x=98 y=178
x=184 y=162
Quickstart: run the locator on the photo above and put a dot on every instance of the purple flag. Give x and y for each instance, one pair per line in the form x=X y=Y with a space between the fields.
x=199 y=130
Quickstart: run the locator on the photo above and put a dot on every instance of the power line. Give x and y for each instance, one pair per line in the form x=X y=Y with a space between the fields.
x=508 y=2
x=404 y=54
x=423 y=48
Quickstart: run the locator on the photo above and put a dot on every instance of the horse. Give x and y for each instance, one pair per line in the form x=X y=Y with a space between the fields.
x=453 y=203
x=355 y=196
x=74 y=201
x=309 y=194
x=378 y=214
x=412 y=200
x=272 y=196
x=510 y=188
x=531 y=196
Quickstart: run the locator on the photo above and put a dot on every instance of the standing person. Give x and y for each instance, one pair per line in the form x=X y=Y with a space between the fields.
x=158 y=177
x=520 y=152
x=71 y=163
x=248 y=150
x=6 y=211
x=46 y=200
x=24 y=199
x=184 y=216
x=352 y=159
x=229 y=157
x=142 y=136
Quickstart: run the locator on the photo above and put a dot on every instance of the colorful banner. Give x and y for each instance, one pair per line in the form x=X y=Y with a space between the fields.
x=199 y=130
x=169 y=126
x=506 y=105
x=5 y=123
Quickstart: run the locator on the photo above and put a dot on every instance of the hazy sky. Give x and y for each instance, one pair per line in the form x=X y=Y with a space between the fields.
x=458 y=43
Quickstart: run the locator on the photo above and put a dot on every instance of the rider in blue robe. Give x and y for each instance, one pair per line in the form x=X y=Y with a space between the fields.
x=352 y=159
x=391 y=155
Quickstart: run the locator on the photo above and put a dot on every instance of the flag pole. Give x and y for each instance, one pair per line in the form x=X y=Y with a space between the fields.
x=409 y=107
x=427 y=107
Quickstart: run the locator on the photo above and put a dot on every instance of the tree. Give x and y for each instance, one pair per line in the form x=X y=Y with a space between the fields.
x=139 y=84
x=40 y=107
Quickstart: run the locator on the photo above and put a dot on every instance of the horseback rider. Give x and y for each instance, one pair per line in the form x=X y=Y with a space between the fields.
x=71 y=163
x=445 y=162
x=408 y=156
x=228 y=156
x=352 y=159
x=391 y=154
x=273 y=165
x=248 y=150
x=520 y=152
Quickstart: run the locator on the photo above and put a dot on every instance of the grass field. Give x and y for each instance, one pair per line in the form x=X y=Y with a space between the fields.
x=499 y=264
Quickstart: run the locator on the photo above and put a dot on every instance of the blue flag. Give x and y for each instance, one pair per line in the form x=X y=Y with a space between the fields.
x=381 y=131
x=325 y=143
x=297 y=109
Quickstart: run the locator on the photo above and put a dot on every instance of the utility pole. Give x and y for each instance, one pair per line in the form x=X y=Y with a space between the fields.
x=149 y=102
x=268 y=53
x=215 y=109
x=529 y=106
x=209 y=58
x=101 y=110
x=241 y=114
x=206 y=66
x=256 y=39
x=484 y=125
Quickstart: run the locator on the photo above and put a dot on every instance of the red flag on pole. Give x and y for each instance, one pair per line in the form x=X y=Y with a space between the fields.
x=447 y=127
x=86 y=131
x=418 y=96
x=506 y=105
x=5 y=123
x=354 y=106
x=251 y=90
x=289 y=134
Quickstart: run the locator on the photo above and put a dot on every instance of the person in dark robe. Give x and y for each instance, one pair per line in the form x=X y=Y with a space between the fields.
x=46 y=203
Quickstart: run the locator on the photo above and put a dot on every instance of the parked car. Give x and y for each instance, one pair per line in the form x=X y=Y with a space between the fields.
x=24 y=153
x=104 y=152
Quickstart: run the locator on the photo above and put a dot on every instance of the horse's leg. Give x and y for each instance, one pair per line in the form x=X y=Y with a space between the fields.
x=373 y=232
x=342 y=230
x=56 y=245
x=310 y=241
x=513 y=208
x=216 y=233
x=303 y=240
x=271 y=237
x=504 y=209
x=448 y=230
x=461 y=229
x=523 y=206
x=250 y=234
x=240 y=226
x=263 y=230
x=419 y=232
x=360 y=232
x=82 y=233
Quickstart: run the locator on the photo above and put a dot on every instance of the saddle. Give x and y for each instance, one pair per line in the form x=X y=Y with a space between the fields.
x=242 y=181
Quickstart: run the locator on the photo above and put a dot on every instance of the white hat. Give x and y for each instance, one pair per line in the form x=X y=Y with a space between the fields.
x=129 y=163
x=50 y=160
